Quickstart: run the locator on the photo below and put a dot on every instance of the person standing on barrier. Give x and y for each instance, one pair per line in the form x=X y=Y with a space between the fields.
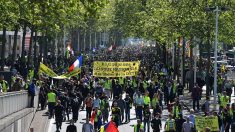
x=51 y=97
x=32 y=92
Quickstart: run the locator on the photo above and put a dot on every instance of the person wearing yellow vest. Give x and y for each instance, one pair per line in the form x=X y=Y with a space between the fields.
x=97 y=118
x=177 y=109
x=170 y=124
x=51 y=99
x=224 y=99
x=139 y=127
x=145 y=84
x=3 y=84
x=146 y=99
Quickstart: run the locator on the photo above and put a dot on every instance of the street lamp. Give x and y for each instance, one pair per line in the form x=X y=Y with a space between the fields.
x=216 y=10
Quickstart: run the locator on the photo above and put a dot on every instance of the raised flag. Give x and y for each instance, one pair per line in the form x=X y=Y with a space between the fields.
x=109 y=127
x=77 y=64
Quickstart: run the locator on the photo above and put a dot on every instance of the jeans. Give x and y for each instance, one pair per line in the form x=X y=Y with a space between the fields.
x=88 y=112
x=127 y=116
x=146 y=122
x=51 y=106
x=196 y=101
x=139 y=112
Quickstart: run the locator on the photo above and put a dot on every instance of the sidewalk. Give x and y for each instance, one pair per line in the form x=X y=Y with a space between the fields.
x=40 y=122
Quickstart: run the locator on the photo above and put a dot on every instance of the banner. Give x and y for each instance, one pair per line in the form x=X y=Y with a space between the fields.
x=204 y=122
x=43 y=68
x=115 y=69
x=69 y=74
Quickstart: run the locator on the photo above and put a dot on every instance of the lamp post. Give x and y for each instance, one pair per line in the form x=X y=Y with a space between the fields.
x=215 y=53
x=216 y=10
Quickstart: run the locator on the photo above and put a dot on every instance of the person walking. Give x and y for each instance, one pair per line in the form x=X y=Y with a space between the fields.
x=139 y=104
x=121 y=105
x=156 y=123
x=75 y=104
x=72 y=127
x=59 y=109
x=88 y=101
x=188 y=126
x=105 y=108
x=97 y=119
x=139 y=127
x=196 y=95
x=116 y=114
x=170 y=124
x=128 y=106
x=87 y=127
x=147 y=118
x=51 y=99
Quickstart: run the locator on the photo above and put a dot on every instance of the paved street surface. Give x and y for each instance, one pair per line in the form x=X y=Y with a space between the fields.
x=127 y=127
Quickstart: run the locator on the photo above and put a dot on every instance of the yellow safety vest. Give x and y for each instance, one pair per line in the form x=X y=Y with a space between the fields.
x=51 y=97
x=121 y=80
x=224 y=100
x=97 y=115
x=168 y=124
x=145 y=85
x=176 y=111
x=146 y=100
x=135 y=127
x=154 y=102
x=4 y=86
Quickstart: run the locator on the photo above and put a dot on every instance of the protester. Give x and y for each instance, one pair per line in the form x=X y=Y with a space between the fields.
x=88 y=102
x=4 y=84
x=156 y=123
x=32 y=92
x=147 y=118
x=87 y=127
x=116 y=114
x=170 y=125
x=72 y=128
x=188 y=126
x=51 y=99
x=59 y=109
x=139 y=127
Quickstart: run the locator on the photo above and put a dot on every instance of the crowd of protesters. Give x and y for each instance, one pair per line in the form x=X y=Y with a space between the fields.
x=149 y=93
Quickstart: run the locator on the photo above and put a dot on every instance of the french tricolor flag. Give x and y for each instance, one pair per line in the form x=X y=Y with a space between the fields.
x=77 y=64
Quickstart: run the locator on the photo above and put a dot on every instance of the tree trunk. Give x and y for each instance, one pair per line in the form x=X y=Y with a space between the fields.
x=183 y=63
x=14 y=45
x=200 y=56
x=175 y=60
x=35 y=49
x=3 y=48
x=23 y=42
x=191 y=83
x=41 y=47
x=30 y=47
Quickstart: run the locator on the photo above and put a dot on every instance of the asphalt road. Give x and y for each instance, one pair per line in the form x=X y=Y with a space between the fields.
x=128 y=127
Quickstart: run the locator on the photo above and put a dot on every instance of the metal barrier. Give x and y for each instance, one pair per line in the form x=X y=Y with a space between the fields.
x=12 y=102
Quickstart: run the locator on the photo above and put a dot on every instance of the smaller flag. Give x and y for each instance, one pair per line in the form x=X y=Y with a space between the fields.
x=92 y=119
x=77 y=64
x=109 y=127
